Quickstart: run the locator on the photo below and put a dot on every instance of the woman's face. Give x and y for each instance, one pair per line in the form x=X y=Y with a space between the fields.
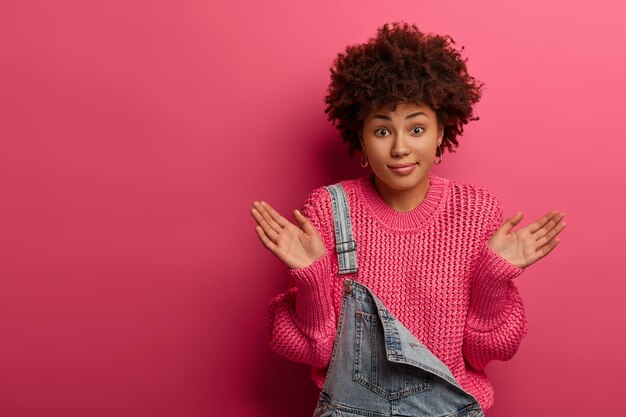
x=401 y=146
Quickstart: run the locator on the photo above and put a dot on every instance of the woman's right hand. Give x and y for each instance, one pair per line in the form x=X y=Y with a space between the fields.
x=297 y=246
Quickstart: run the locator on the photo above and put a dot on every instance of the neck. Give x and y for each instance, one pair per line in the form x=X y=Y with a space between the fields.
x=402 y=200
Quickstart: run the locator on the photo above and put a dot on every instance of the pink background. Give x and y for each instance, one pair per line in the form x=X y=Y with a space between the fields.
x=134 y=136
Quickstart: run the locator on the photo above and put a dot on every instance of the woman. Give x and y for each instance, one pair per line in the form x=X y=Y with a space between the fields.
x=434 y=251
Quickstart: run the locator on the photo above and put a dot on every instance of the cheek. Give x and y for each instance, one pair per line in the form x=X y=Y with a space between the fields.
x=375 y=148
x=425 y=146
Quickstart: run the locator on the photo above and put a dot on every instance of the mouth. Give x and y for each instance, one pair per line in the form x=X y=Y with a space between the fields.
x=396 y=166
x=402 y=169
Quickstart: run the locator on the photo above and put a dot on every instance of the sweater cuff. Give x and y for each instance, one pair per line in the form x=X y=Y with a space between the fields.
x=314 y=306
x=490 y=303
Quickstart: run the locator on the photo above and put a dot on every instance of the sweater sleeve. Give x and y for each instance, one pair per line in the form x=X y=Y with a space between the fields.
x=496 y=321
x=301 y=320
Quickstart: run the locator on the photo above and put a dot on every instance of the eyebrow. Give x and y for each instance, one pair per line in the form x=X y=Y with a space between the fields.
x=410 y=116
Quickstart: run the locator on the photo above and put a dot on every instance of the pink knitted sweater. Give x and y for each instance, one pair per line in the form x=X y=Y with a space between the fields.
x=431 y=267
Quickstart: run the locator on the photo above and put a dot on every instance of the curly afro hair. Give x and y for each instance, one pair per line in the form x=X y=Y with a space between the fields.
x=401 y=64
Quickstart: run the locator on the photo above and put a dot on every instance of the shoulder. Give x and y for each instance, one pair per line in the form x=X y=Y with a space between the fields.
x=475 y=198
x=320 y=196
x=317 y=208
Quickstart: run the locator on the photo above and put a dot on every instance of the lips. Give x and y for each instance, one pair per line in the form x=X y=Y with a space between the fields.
x=401 y=165
x=402 y=169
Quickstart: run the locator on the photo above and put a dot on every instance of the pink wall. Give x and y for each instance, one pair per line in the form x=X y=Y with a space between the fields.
x=134 y=136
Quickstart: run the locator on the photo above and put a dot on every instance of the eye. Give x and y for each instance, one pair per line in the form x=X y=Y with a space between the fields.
x=417 y=130
x=381 y=132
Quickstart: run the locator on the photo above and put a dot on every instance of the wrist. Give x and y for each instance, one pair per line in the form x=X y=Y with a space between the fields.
x=306 y=263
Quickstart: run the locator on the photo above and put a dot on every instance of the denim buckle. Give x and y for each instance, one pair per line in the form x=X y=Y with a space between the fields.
x=347 y=246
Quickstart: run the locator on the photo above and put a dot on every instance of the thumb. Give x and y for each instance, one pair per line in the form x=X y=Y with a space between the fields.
x=304 y=223
x=512 y=221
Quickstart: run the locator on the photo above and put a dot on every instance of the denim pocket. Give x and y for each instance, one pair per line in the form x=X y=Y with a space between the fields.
x=475 y=412
x=374 y=371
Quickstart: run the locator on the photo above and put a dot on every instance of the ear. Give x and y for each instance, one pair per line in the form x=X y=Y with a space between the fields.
x=440 y=131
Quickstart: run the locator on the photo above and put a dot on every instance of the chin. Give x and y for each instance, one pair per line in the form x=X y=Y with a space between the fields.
x=401 y=185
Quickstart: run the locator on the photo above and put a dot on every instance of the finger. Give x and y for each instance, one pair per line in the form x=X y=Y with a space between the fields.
x=256 y=215
x=548 y=227
x=534 y=227
x=265 y=226
x=551 y=235
x=280 y=220
x=265 y=240
x=512 y=221
x=263 y=208
x=259 y=218
x=546 y=249
x=304 y=223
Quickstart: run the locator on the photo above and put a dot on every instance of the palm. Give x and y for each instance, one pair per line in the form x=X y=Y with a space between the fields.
x=297 y=246
x=527 y=245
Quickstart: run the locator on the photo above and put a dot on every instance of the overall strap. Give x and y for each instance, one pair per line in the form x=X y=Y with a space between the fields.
x=345 y=243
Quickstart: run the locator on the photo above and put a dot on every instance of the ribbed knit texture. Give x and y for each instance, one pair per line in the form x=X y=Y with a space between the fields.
x=431 y=267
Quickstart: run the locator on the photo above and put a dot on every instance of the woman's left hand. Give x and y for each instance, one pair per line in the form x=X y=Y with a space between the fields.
x=525 y=246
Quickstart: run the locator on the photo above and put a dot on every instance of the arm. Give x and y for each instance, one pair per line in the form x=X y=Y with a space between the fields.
x=496 y=321
x=301 y=320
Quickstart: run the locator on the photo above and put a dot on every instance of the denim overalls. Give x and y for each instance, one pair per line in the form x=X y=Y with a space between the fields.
x=378 y=368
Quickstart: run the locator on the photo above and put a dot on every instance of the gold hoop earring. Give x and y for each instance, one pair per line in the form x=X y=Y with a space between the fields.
x=364 y=161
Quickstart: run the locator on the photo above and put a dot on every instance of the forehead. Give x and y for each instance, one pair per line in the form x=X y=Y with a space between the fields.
x=401 y=111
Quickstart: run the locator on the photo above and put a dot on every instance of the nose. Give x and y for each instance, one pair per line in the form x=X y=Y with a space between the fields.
x=400 y=147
